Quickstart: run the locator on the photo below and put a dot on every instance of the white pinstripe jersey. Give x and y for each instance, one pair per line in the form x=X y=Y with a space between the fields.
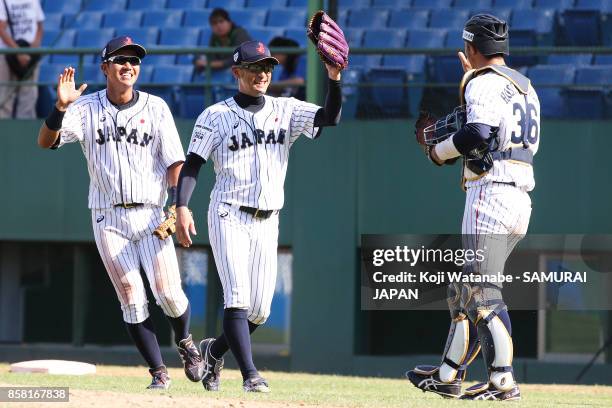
x=250 y=151
x=128 y=151
x=493 y=100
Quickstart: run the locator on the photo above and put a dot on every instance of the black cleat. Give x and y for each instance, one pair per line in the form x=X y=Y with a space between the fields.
x=256 y=384
x=192 y=360
x=427 y=378
x=212 y=366
x=488 y=392
x=161 y=379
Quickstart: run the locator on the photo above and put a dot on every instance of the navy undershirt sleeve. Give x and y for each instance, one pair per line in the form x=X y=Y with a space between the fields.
x=472 y=135
x=188 y=178
x=329 y=115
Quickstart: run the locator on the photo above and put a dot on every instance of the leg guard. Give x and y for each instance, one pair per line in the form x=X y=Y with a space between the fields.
x=497 y=348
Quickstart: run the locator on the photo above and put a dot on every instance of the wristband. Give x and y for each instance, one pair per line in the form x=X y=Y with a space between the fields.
x=55 y=118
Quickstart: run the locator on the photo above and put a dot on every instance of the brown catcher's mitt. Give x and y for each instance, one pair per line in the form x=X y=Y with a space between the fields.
x=329 y=40
x=168 y=227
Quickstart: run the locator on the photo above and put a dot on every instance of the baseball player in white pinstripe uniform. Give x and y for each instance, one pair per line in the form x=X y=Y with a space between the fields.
x=248 y=138
x=498 y=137
x=133 y=154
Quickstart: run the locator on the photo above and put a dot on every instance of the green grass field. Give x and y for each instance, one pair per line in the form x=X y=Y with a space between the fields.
x=124 y=387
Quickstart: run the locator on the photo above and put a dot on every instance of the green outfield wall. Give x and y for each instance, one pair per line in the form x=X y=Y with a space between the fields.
x=361 y=177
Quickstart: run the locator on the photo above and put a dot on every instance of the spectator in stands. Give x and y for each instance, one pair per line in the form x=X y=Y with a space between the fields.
x=21 y=25
x=224 y=34
x=290 y=80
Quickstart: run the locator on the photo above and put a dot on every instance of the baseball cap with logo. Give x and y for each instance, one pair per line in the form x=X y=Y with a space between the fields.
x=122 y=43
x=250 y=52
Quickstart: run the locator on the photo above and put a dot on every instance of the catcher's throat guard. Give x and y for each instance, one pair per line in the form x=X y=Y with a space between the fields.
x=445 y=127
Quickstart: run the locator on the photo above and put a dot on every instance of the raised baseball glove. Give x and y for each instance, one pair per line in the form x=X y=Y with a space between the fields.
x=328 y=39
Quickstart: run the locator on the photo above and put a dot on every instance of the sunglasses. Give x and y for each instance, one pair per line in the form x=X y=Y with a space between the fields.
x=258 y=68
x=122 y=59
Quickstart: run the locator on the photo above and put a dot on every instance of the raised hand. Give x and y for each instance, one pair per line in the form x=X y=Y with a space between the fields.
x=66 y=89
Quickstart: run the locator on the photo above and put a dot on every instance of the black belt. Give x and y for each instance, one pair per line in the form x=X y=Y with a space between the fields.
x=256 y=212
x=509 y=183
x=128 y=205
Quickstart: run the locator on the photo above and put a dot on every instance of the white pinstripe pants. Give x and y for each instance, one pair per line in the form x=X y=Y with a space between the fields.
x=245 y=251
x=125 y=242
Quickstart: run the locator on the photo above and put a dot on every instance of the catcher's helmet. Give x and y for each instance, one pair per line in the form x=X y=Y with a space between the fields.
x=487 y=33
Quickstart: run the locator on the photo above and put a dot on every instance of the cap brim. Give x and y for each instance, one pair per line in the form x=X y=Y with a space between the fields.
x=254 y=60
x=139 y=49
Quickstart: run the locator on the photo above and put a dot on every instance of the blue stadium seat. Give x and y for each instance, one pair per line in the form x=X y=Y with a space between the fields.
x=351 y=4
x=265 y=34
x=365 y=60
x=570 y=59
x=286 y=18
x=192 y=102
x=386 y=101
x=354 y=36
x=121 y=19
x=50 y=72
x=392 y=4
x=297 y=34
x=368 y=18
x=93 y=38
x=179 y=36
x=146 y=4
x=448 y=18
x=432 y=4
x=89 y=19
x=343 y=18
x=186 y=4
x=581 y=27
x=384 y=38
x=160 y=59
x=515 y=4
x=409 y=18
x=197 y=18
x=179 y=74
x=226 y=4
x=93 y=73
x=146 y=72
x=473 y=4
x=205 y=34
x=603 y=59
x=105 y=5
x=590 y=103
x=249 y=18
x=554 y=4
x=415 y=64
x=426 y=38
x=297 y=3
x=50 y=37
x=552 y=101
x=597 y=5
x=454 y=39
x=64 y=6
x=147 y=36
x=161 y=19
x=266 y=4
x=66 y=39
x=540 y=20
x=53 y=21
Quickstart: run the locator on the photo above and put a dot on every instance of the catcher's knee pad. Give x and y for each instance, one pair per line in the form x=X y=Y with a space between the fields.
x=497 y=348
x=460 y=350
x=133 y=313
x=172 y=301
